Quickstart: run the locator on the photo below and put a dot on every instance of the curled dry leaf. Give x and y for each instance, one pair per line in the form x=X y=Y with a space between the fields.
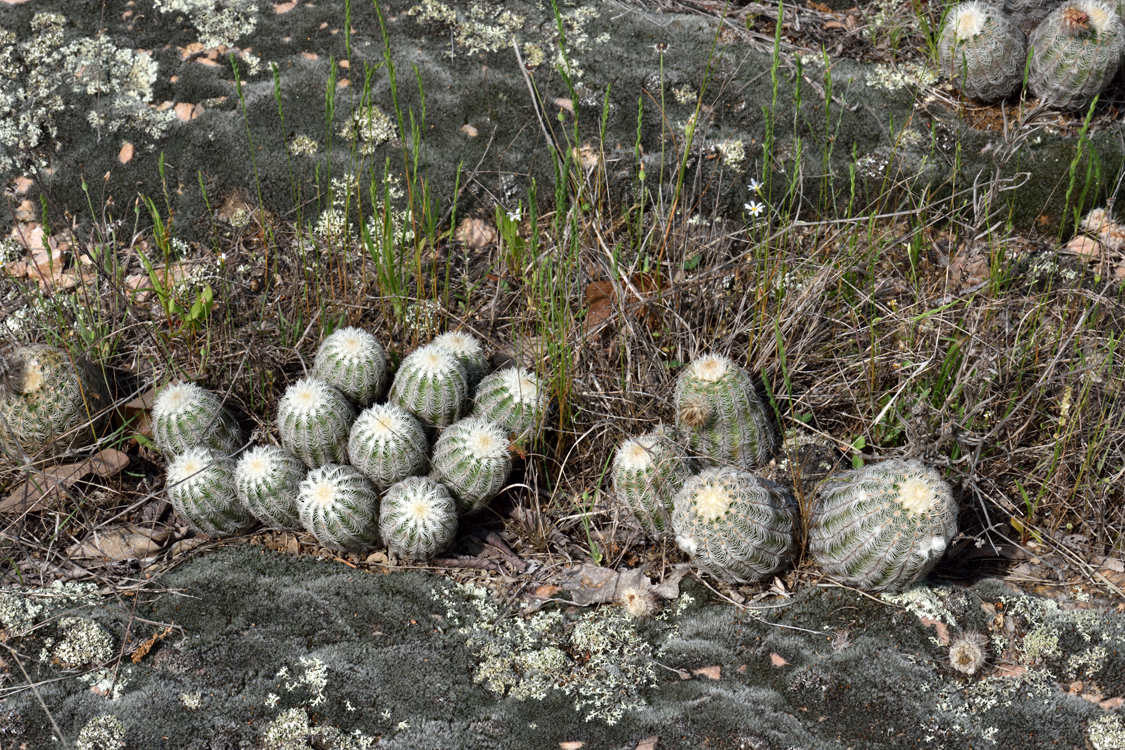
x=44 y=488
x=129 y=542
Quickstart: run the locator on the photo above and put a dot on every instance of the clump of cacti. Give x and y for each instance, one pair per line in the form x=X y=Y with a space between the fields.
x=202 y=489
x=184 y=415
x=1076 y=50
x=50 y=402
x=388 y=444
x=468 y=352
x=418 y=518
x=353 y=360
x=471 y=458
x=432 y=385
x=883 y=526
x=982 y=51
x=314 y=419
x=340 y=507
x=738 y=527
x=648 y=471
x=267 y=479
x=721 y=414
x=514 y=398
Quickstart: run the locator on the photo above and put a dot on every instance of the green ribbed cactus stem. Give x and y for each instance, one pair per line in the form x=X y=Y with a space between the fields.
x=418 y=518
x=314 y=419
x=184 y=415
x=1076 y=50
x=388 y=444
x=882 y=527
x=471 y=458
x=720 y=413
x=1026 y=14
x=736 y=526
x=647 y=473
x=353 y=360
x=340 y=507
x=432 y=385
x=51 y=402
x=469 y=353
x=201 y=488
x=514 y=398
x=267 y=479
x=982 y=51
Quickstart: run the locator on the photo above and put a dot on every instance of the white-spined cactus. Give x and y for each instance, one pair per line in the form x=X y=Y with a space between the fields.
x=884 y=526
x=468 y=352
x=514 y=398
x=736 y=526
x=388 y=444
x=432 y=385
x=648 y=471
x=353 y=360
x=201 y=488
x=471 y=458
x=267 y=479
x=184 y=415
x=982 y=51
x=1076 y=50
x=314 y=419
x=418 y=518
x=340 y=507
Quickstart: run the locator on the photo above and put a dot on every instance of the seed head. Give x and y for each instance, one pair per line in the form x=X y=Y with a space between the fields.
x=968 y=652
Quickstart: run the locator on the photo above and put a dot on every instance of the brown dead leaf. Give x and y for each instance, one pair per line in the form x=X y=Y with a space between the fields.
x=834 y=25
x=469 y=130
x=566 y=104
x=476 y=233
x=129 y=542
x=819 y=6
x=1010 y=670
x=292 y=546
x=545 y=591
x=125 y=155
x=648 y=743
x=967 y=269
x=942 y=630
x=39 y=491
x=711 y=673
x=602 y=301
x=589 y=584
x=777 y=660
x=1112 y=703
x=1085 y=247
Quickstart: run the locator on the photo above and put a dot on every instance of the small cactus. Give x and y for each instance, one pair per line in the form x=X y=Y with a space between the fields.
x=267 y=479
x=418 y=518
x=354 y=361
x=514 y=398
x=1026 y=14
x=388 y=444
x=432 y=385
x=884 y=526
x=647 y=473
x=313 y=419
x=725 y=421
x=738 y=527
x=201 y=488
x=185 y=415
x=468 y=352
x=982 y=51
x=340 y=507
x=1076 y=50
x=471 y=458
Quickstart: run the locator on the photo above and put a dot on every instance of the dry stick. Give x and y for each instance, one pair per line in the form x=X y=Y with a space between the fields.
x=535 y=104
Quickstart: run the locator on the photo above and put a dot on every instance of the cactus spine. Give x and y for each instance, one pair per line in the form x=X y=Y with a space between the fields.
x=340 y=507
x=884 y=526
x=354 y=361
x=201 y=488
x=514 y=398
x=1076 y=51
x=267 y=479
x=982 y=51
x=431 y=384
x=738 y=527
x=647 y=473
x=468 y=352
x=471 y=458
x=388 y=444
x=313 y=419
x=418 y=518
x=185 y=416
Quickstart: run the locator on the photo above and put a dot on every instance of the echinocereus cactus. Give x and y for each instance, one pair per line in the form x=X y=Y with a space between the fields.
x=882 y=527
x=201 y=488
x=185 y=415
x=340 y=507
x=354 y=361
x=647 y=473
x=1026 y=14
x=418 y=518
x=388 y=444
x=468 y=352
x=982 y=52
x=432 y=385
x=720 y=413
x=50 y=402
x=267 y=479
x=313 y=419
x=1075 y=51
x=736 y=526
x=514 y=398
x=471 y=458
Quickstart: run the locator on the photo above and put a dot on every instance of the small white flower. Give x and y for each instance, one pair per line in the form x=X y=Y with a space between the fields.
x=515 y=215
x=754 y=208
x=661 y=47
x=755 y=186
x=386 y=714
x=401 y=726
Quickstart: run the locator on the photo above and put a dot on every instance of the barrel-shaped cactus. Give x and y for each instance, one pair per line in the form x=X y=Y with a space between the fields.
x=184 y=415
x=267 y=479
x=353 y=360
x=471 y=458
x=417 y=518
x=882 y=527
x=388 y=444
x=432 y=385
x=201 y=488
x=468 y=352
x=647 y=473
x=314 y=419
x=514 y=398
x=340 y=507
x=982 y=51
x=1076 y=50
x=736 y=526
x=50 y=402
x=722 y=416
x=1026 y=14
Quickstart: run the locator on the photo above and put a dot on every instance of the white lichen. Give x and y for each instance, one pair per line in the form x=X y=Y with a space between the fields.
x=105 y=732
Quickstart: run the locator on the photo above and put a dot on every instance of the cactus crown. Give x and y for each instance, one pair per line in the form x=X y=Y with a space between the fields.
x=969 y=20
x=515 y=398
x=471 y=458
x=340 y=507
x=201 y=487
x=267 y=478
x=432 y=384
x=314 y=419
x=468 y=351
x=354 y=361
